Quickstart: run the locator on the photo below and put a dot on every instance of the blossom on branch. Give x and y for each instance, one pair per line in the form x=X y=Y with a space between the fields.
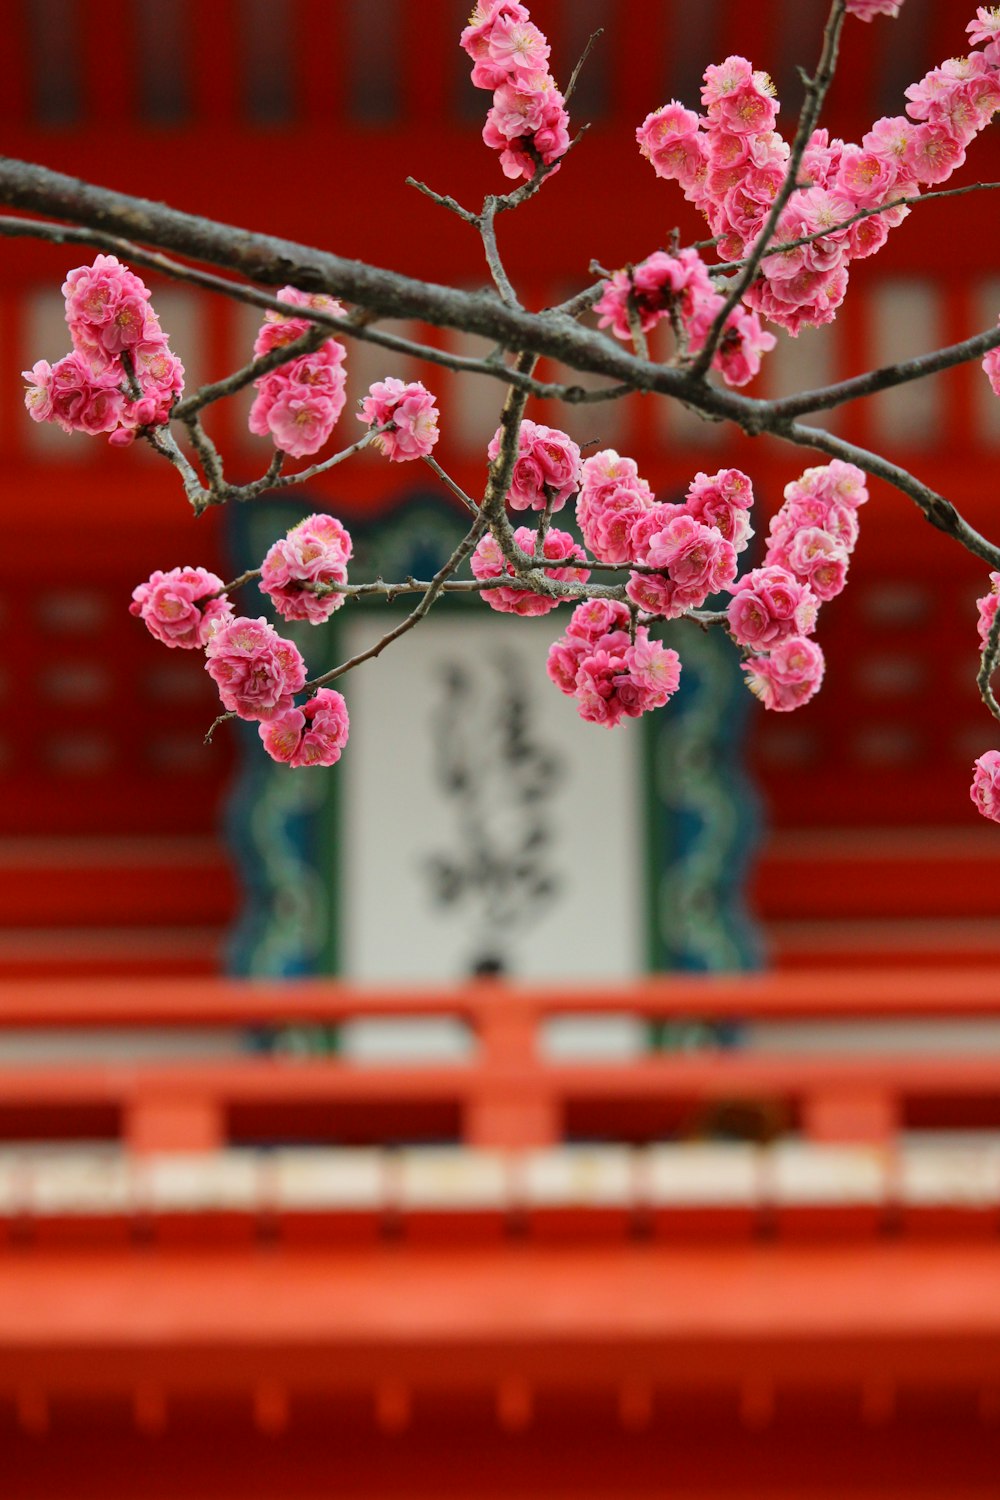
x=256 y=671
x=182 y=607
x=408 y=414
x=314 y=552
x=313 y=735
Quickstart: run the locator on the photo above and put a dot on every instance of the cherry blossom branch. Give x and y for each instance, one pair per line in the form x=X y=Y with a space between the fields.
x=816 y=89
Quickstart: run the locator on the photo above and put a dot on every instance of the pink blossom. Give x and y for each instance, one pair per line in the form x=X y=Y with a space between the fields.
x=70 y=394
x=669 y=139
x=177 y=609
x=298 y=404
x=933 y=152
x=254 y=668
x=653 y=668
x=314 y=552
x=301 y=419
x=547 y=468
x=475 y=39
x=313 y=735
x=489 y=562
x=817 y=558
x=612 y=498
x=696 y=558
x=867 y=10
x=986 y=26
x=652 y=288
x=789 y=676
x=985 y=789
x=408 y=411
x=611 y=676
x=987 y=606
x=107 y=309
x=593 y=618
x=769 y=604
x=723 y=500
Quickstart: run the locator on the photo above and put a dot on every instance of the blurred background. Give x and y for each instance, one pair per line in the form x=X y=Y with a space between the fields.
x=553 y=1222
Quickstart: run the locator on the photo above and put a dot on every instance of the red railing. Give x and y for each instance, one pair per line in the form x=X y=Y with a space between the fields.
x=506 y=1092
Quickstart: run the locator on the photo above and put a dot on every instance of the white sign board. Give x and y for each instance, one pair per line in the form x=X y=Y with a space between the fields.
x=483 y=822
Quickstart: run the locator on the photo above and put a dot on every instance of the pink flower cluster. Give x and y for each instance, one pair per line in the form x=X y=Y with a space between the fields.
x=316 y=551
x=988 y=608
x=731 y=162
x=178 y=607
x=692 y=548
x=298 y=404
x=256 y=670
x=408 y=412
x=488 y=562
x=546 y=470
x=609 y=675
x=527 y=122
x=680 y=284
x=985 y=789
x=313 y=735
x=119 y=348
x=774 y=608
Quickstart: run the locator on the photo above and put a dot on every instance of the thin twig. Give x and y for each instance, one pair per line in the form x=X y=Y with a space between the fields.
x=435 y=587
x=456 y=489
x=579 y=67
x=443 y=199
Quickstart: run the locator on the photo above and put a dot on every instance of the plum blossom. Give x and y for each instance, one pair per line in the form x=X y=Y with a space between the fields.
x=987 y=606
x=121 y=376
x=313 y=735
x=767 y=606
x=298 y=404
x=547 y=468
x=256 y=670
x=408 y=413
x=489 y=562
x=527 y=123
x=693 y=561
x=178 y=607
x=867 y=10
x=314 y=552
x=611 y=676
x=788 y=676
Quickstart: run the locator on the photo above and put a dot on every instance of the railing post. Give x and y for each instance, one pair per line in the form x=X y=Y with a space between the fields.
x=850 y=1114
x=510 y=1104
x=173 y=1122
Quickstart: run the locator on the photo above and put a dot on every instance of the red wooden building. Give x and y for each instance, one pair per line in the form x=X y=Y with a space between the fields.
x=182 y=1309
